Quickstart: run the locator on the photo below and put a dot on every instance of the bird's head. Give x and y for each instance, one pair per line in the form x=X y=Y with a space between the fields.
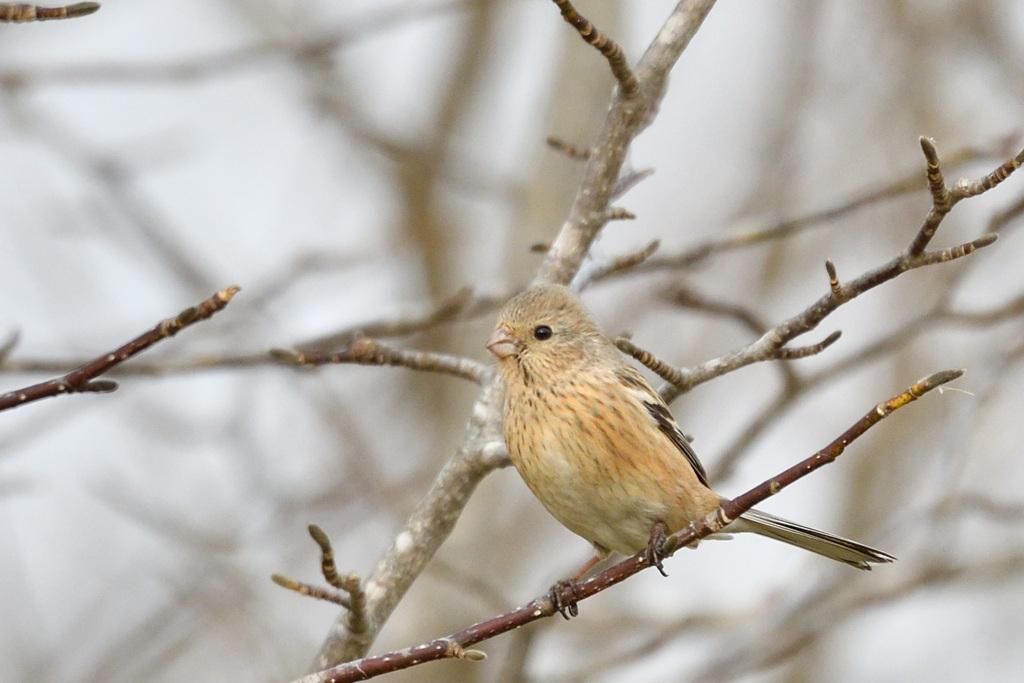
x=545 y=324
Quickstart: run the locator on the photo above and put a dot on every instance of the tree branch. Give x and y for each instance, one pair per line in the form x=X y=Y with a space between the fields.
x=83 y=379
x=482 y=448
x=769 y=345
x=609 y=48
x=944 y=199
x=626 y=117
x=363 y=351
x=18 y=12
x=456 y=644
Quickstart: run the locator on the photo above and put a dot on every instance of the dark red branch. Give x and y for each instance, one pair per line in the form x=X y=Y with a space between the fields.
x=456 y=644
x=83 y=379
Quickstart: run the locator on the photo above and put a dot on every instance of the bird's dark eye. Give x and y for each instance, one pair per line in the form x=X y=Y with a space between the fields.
x=541 y=332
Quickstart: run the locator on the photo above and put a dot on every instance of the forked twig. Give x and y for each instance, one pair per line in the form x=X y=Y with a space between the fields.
x=944 y=199
x=771 y=344
x=350 y=593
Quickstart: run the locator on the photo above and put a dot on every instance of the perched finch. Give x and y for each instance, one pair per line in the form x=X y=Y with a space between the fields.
x=597 y=445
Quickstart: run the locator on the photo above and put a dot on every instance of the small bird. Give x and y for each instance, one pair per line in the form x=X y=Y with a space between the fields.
x=598 y=446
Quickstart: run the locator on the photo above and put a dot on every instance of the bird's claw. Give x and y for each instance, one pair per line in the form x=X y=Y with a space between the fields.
x=655 y=552
x=565 y=605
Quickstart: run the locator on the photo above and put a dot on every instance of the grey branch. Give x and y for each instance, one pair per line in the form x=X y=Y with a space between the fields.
x=770 y=344
x=481 y=450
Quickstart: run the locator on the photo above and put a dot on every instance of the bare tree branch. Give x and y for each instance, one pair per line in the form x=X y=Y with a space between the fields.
x=626 y=117
x=464 y=305
x=481 y=449
x=456 y=644
x=83 y=379
x=608 y=47
x=17 y=12
x=914 y=256
x=365 y=351
x=903 y=185
x=944 y=199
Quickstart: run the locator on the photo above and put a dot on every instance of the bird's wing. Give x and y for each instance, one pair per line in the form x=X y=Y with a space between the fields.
x=645 y=393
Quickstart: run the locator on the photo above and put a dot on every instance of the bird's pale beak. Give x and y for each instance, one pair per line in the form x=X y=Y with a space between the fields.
x=502 y=344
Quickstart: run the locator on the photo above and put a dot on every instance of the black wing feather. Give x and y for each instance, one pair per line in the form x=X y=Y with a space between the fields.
x=666 y=423
x=668 y=426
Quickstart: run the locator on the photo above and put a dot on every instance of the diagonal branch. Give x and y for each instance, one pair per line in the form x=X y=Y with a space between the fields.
x=770 y=345
x=626 y=118
x=83 y=379
x=482 y=448
x=611 y=50
x=457 y=644
x=944 y=199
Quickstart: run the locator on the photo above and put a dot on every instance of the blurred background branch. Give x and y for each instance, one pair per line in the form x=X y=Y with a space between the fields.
x=381 y=169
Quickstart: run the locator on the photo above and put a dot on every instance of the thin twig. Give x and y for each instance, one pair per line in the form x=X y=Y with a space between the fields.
x=618 y=264
x=648 y=359
x=364 y=351
x=83 y=379
x=568 y=149
x=357 y=620
x=347 y=590
x=944 y=199
x=327 y=566
x=607 y=47
x=906 y=184
x=768 y=346
x=307 y=589
x=806 y=351
x=833 y=277
x=18 y=12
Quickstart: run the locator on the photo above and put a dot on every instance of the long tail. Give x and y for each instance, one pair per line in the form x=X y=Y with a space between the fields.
x=827 y=545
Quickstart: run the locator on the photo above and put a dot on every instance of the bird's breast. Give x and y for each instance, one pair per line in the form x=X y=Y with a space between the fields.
x=597 y=464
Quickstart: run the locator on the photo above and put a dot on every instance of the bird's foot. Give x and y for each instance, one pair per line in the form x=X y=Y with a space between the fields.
x=655 y=552
x=564 y=597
